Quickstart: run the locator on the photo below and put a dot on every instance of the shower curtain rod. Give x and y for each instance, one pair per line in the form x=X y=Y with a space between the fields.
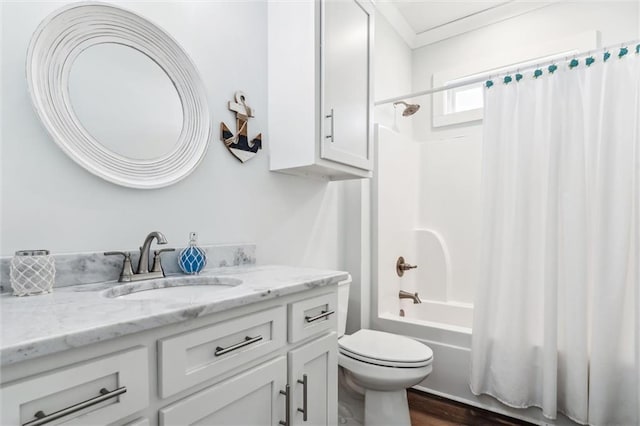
x=488 y=76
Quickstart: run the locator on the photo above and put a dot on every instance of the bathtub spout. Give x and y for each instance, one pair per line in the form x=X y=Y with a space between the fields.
x=406 y=295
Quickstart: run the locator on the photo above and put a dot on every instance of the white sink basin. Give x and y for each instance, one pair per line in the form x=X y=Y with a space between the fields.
x=177 y=288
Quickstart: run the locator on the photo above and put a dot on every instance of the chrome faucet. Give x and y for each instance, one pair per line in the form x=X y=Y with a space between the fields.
x=406 y=295
x=142 y=272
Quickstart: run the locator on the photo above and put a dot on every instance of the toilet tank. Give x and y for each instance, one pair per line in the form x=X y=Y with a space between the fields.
x=343 y=305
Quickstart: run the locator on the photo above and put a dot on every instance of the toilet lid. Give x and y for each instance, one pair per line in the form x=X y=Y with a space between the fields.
x=380 y=348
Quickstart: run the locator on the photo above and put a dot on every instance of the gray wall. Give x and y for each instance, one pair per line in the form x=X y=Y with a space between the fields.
x=48 y=201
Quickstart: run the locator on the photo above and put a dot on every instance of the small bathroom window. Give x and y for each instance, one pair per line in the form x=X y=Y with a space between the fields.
x=463 y=99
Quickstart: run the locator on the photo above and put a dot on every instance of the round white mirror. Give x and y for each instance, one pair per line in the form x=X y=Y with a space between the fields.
x=110 y=83
x=118 y=95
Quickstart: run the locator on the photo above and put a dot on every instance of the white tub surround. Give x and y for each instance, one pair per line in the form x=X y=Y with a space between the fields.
x=76 y=316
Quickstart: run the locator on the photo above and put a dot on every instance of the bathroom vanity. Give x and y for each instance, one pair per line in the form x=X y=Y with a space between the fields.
x=246 y=345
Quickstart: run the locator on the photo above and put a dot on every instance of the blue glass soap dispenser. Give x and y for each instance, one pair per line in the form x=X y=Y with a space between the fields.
x=192 y=259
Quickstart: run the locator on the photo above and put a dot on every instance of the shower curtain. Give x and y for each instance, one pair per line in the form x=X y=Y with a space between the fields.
x=557 y=309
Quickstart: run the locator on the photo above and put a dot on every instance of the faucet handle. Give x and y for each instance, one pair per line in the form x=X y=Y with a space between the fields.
x=127 y=269
x=402 y=266
x=157 y=265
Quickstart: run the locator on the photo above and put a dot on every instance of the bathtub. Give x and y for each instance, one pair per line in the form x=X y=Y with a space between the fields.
x=446 y=328
x=448 y=315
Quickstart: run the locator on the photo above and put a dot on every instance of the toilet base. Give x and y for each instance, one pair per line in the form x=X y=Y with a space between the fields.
x=386 y=408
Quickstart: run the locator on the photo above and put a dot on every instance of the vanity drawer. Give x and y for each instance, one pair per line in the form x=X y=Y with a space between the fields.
x=100 y=391
x=190 y=358
x=313 y=316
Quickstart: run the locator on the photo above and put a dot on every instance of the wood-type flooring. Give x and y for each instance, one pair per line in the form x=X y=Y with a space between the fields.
x=431 y=410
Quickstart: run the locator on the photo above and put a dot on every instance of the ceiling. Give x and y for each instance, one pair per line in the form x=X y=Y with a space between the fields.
x=422 y=22
x=427 y=15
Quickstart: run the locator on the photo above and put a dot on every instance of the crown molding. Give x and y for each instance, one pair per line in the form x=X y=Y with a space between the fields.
x=415 y=40
x=391 y=13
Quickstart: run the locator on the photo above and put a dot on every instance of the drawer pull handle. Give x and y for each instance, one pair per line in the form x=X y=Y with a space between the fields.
x=324 y=314
x=287 y=405
x=247 y=341
x=42 y=418
x=304 y=410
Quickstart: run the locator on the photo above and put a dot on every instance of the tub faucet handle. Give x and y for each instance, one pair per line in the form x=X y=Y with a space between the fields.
x=402 y=266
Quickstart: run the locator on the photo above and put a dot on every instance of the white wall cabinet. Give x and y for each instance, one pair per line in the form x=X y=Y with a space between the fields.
x=228 y=368
x=320 y=87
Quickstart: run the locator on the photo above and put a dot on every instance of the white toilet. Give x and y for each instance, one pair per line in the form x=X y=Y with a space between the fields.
x=382 y=366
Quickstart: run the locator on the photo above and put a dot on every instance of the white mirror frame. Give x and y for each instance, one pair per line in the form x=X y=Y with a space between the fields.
x=56 y=43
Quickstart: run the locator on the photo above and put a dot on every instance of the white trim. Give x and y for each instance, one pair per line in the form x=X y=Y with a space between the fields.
x=491 y=16
x=501 y=13
x=391 y=13
x=60 y=38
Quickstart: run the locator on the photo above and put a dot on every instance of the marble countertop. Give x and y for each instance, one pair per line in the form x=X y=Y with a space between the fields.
x=75 y=316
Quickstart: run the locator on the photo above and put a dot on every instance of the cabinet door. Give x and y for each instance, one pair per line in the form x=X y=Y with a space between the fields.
x=251 y=398
x=317 y=362
x=347 y=34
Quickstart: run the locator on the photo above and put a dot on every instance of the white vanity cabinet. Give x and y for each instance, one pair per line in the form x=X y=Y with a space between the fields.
x=303 y=378
x=320 y=87
x=243 y=366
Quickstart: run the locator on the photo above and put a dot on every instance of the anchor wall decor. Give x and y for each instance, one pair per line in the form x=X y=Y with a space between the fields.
x=239 y=145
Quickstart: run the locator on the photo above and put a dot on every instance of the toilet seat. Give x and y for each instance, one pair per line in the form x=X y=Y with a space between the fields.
x=385 y=349
x=383 y=363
